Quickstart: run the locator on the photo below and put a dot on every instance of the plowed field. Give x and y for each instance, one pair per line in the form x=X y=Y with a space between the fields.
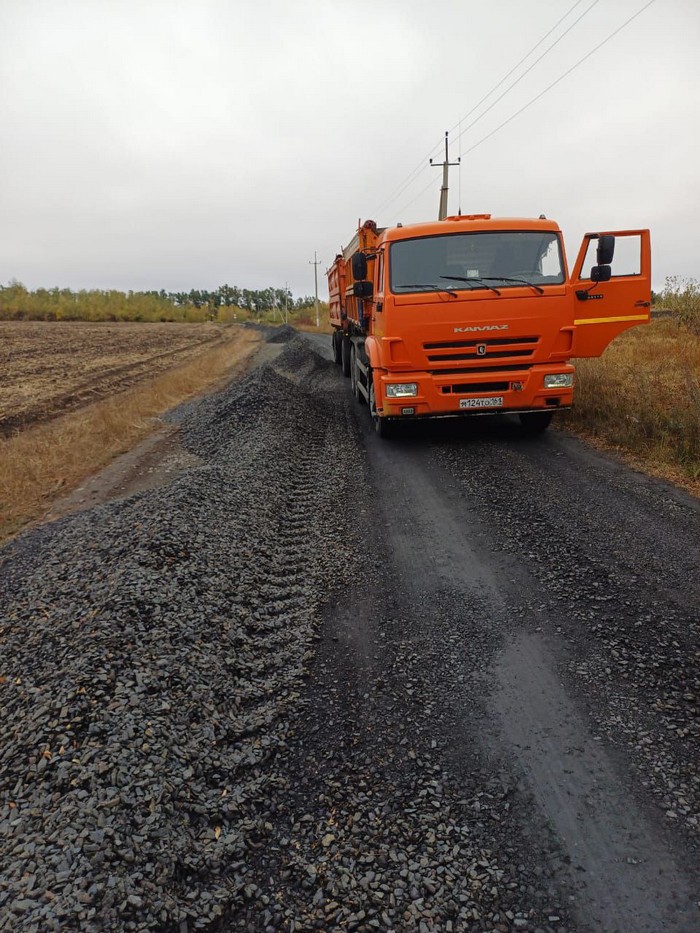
x=47 y=368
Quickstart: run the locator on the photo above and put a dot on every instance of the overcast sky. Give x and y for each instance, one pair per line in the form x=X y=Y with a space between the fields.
x=186 y=143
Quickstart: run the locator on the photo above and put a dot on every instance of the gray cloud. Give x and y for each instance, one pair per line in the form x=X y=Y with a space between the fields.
x=152 y=143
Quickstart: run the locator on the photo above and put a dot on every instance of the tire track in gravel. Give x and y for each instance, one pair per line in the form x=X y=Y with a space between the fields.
x=494 y=537
x=597 y=594
x=632 y=879
x=611 y=554
x=384 y=823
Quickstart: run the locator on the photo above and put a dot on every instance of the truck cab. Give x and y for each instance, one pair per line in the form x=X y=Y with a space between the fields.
x=476 y=315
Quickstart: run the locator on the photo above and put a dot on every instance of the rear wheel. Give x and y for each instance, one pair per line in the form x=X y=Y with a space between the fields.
x=354 y=388
x=535 y=422
x=337 y=350
x=345 y=355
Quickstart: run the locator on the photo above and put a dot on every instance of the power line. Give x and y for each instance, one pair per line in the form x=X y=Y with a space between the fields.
x=542 y=93
x=413 y=200
x=527 y=70
x=422 y=165
x=523 y=59
x=410 y=178
x=560 y=78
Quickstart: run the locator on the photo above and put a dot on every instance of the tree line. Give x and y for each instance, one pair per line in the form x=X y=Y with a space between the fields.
x=231 y=296
x=225 y=303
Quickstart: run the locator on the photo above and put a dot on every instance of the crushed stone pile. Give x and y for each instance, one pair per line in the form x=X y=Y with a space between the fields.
x=153 y=654
x=282 y=334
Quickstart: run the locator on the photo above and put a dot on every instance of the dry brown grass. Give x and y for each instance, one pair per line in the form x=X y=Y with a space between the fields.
x=310 y=328
x=642 y=397
x=50 y=459
x=682 y=298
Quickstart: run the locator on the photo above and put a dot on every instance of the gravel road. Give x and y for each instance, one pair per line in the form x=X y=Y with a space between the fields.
x=324 y=682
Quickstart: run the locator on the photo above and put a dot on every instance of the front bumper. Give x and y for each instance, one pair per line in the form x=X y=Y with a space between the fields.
x=440 y=394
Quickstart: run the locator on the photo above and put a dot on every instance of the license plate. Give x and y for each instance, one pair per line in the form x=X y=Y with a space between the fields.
x=495 y=402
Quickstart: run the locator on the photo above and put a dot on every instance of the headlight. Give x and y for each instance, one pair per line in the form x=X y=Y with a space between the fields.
x=559 y=381
x=401 y=389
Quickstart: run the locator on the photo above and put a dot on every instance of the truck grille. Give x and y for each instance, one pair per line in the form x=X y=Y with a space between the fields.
x=470 y=387
x=493 y=354
x=494 y=348
x=490 y=342
x=464 y=370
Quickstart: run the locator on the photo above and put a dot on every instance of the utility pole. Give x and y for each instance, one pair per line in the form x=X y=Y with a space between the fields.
x=286 y=292
x=316 y=263
x=445 y=173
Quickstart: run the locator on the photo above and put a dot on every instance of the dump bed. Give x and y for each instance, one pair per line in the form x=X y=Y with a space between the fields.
x=345 y=306
x=336 y=291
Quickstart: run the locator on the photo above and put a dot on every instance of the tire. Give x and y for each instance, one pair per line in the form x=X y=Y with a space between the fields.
x=353 y=373
x=345 y=355
x=337 y=351
x=535 y=422
x=381 y=425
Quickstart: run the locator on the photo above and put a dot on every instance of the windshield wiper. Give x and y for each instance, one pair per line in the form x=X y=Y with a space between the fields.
x=494 y=278
x=472 y=278
x=509 y=278
x=435 y=288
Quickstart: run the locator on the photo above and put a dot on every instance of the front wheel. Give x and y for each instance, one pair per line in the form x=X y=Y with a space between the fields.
x=381 y=425
x=535 y=422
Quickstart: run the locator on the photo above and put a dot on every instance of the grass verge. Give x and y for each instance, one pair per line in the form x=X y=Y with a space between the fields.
x=642 y=398
x=50 y=459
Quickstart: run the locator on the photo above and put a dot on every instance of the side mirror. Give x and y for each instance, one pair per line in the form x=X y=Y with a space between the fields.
x=359 y=266
x=605 y=251
x=601 y=273
x=363 y=290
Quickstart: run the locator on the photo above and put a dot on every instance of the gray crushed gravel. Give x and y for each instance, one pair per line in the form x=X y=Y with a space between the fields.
x=379 y=830
x=168 y=766
x=616 y=557
x=153 y=655
x=220 y=716
x=282 y=334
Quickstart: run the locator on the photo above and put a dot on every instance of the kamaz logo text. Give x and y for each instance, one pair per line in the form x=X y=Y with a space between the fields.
x=468 y=330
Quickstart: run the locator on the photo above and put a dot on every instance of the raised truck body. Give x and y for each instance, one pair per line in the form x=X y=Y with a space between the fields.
x=478 y=315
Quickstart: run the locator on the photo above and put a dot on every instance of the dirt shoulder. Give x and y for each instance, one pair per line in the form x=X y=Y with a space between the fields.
x=152 y=463
x=48 y=460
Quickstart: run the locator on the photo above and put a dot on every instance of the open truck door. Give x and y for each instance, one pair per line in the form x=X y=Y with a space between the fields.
x=611 y=284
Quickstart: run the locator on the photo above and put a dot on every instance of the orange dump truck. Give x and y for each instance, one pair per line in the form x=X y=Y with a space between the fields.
x=479 y=315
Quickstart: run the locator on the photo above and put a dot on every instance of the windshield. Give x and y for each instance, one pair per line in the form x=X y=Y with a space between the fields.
x=476 y=260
